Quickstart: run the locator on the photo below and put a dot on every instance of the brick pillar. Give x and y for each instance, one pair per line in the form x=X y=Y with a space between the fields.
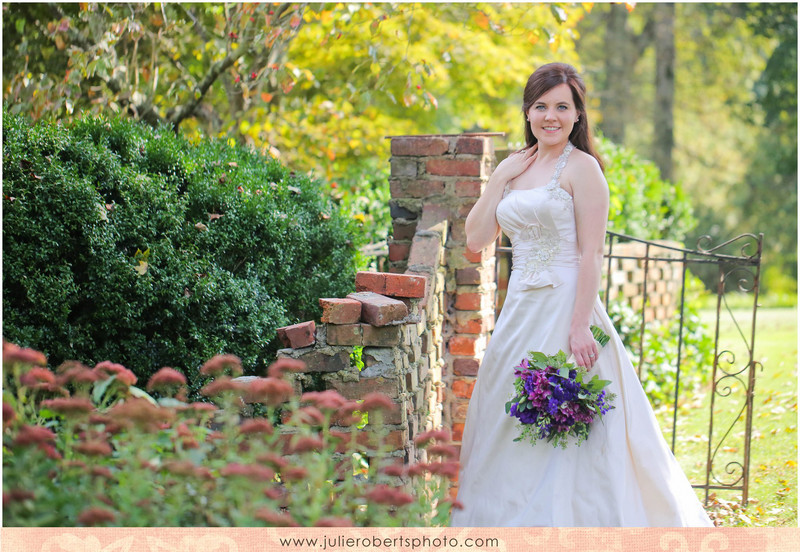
x=435 y=181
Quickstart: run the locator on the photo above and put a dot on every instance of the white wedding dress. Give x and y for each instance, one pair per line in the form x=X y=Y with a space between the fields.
x=623 y=475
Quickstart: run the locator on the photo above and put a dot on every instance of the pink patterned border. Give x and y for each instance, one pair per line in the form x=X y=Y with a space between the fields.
x=398 y=539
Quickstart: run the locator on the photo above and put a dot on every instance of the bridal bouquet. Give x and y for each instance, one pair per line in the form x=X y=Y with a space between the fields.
x=553 y=400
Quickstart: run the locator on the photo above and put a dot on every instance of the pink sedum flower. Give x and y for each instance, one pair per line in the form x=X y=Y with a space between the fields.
x=15 y=354
x=166 y=378
x=217 y=365
x=107 y=369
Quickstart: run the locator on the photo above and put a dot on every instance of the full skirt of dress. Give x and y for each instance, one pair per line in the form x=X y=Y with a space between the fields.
x=623 y=475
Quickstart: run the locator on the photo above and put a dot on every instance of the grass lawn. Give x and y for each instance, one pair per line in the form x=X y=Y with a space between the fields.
x=773 y=461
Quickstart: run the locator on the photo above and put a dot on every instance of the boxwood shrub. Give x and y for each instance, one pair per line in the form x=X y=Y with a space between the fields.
x=129 y=243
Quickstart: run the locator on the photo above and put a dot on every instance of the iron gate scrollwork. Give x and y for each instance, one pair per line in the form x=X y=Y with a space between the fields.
x=738 y=265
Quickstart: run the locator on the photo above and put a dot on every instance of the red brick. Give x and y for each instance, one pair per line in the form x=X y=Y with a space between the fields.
x=387 y=336
x=463 y=388
x=426 y=251
x=433 y=215
x=465 y=208
x=399 y=251
x=468 y=188
x=474 y=326
x=453 y=167
x=466 y=366
x=458 y=411
x=402 y=231
x=392 y=285
x=396 y=440
x=340 y=311
x=420 y=145
x=463 y=345
x=473 y=146
x=480 y=256
x=468 y=276
x=347 y=334
x=457 y=231
x=458 y=431
x=416 y=188
x=355 y=390
x=393 y=417
x=298 y=336
x=428 y=286
x=319 y=361
x=467 y=301
x=379 y=310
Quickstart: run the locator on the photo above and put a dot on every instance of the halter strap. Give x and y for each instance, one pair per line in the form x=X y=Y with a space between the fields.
x=561 y=163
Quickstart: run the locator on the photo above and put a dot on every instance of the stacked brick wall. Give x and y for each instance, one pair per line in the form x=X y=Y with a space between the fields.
x=386 y=319
x=628 y=278
x=395 y=318
x=435 y=181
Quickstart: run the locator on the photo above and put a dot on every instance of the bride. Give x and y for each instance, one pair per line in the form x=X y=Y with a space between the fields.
x=551 y=199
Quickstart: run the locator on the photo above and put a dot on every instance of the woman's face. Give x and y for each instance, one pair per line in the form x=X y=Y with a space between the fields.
x=553 y=115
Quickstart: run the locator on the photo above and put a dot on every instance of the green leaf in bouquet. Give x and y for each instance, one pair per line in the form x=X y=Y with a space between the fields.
x=539 y=360
x=564 y=372
x=509 y=404
x=537 y=356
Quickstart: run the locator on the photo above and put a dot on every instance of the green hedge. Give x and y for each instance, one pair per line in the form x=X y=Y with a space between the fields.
x=643 y=205
x=129 y=243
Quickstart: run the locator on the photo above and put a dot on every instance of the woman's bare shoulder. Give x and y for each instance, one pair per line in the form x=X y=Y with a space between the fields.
x=581 y=160
x=582 y=168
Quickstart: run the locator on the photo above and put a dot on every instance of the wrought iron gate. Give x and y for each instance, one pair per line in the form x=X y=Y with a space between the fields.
x=737 y=266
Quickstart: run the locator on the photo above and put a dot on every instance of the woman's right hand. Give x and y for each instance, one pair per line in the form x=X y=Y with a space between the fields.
x=481 y=225
x=515 y=164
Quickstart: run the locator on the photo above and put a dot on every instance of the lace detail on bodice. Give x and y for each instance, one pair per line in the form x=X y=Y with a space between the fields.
x=534 y=248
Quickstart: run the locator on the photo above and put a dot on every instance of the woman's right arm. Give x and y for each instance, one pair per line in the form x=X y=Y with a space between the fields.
x=481 y=225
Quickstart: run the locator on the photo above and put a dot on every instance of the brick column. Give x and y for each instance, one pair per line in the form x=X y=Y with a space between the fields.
x=435 y=181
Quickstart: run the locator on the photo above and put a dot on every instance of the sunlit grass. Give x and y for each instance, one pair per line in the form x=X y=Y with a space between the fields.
x=773 y=462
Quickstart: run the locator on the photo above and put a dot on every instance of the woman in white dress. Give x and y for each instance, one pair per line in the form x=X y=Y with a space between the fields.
x=551 y=199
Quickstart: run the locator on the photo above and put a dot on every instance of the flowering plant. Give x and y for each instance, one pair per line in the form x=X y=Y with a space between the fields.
x=85 y=447
x=553 y=400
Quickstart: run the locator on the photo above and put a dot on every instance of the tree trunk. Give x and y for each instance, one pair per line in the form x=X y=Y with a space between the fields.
x=663 y=116
x=614 y=97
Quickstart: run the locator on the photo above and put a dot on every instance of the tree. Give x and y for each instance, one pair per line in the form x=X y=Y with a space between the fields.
x=663 y=116
x=734 y=118
x=623 y=47
x=319 y=84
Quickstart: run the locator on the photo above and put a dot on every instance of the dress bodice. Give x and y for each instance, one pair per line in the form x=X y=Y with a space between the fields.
x=540 y=223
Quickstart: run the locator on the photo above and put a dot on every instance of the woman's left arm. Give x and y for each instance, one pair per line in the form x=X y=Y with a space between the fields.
x=590 y=200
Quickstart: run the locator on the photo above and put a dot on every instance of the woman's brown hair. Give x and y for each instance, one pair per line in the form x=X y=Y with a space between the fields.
x=540 y=82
